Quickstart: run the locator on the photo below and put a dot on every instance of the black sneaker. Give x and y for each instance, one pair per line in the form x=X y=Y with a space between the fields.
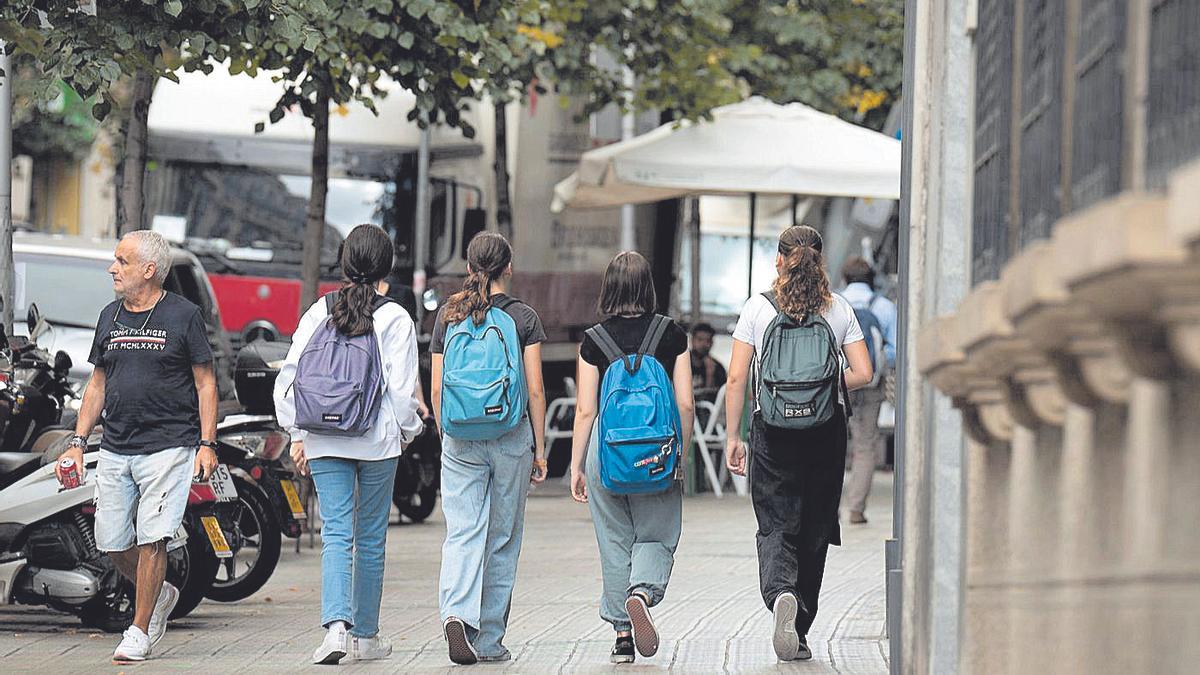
x=461 y=650
x=804 y=653
x=645 y=635
x=623 y=651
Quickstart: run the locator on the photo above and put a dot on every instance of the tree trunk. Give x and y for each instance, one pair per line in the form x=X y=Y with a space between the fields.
x=503 y=202
x=131 y=206
x=314 y=228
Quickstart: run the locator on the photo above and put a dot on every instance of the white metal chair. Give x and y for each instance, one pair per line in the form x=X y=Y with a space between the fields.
x=711 y=439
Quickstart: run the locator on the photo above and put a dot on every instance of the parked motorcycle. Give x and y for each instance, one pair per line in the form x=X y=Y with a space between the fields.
x=34 y=388
x=418 y=475
x=48 y=553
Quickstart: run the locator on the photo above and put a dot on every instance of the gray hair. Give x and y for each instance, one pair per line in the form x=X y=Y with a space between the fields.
x=153 y=248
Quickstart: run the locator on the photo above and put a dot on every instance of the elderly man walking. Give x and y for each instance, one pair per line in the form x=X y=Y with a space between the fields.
x=154 y=389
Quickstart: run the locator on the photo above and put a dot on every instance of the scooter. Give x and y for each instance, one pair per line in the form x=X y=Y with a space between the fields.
x=48 y=553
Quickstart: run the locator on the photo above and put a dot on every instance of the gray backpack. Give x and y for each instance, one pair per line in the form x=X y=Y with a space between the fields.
x=339 y=380
x=800 y=372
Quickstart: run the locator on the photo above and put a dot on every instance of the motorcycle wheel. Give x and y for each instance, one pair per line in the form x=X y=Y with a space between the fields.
x=197 y=567
x=256 y=554
x=417 y=507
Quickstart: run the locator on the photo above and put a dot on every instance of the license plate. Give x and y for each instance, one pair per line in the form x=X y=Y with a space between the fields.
x=293 y=499
x=222 y=484
x=216 y=537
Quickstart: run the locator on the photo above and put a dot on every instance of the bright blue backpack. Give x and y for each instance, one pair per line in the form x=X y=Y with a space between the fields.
x=483 y=377
x=639 y=421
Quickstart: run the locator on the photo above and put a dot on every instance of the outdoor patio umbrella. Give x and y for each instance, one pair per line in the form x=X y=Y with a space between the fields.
x=755 y=147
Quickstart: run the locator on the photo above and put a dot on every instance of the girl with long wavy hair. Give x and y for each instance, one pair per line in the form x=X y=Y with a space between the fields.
x=795 y=475
x=485 y=482
x=354 y=475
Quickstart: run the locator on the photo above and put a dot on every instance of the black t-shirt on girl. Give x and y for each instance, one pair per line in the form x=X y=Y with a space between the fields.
x=529 y=325
x=628 y=333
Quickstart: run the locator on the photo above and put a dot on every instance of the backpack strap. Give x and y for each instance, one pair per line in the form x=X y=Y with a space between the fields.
x=330 y=298
x=506 y=303
x=770 y=296
x=608 y=346
x=654 y=335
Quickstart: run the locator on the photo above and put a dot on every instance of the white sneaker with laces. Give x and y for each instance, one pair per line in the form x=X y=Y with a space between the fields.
x=370 y=649
x=167 y=599
x=333 y=647
x=135 y=646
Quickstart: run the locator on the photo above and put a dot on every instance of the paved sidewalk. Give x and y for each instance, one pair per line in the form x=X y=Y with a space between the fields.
x=712 y=619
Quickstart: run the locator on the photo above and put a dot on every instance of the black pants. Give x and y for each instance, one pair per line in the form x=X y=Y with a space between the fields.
x=796 y=486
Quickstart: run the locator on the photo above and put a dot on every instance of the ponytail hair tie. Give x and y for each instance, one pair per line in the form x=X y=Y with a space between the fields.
x=358 y=278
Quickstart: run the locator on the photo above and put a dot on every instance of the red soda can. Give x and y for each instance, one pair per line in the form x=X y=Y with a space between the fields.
x=69 y=473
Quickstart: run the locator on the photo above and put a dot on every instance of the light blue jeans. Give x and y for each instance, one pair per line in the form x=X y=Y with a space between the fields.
x=484 y=486
x=637 y=536
x=353 y=538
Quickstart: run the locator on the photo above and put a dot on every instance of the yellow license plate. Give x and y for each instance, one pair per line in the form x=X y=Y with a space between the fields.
x=216 y=537
x=293 y=499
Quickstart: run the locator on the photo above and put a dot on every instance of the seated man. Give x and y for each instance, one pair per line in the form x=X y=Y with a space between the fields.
x=708 y=375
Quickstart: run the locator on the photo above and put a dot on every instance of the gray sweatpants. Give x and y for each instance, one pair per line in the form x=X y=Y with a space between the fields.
x=637 y=536
x=866 y=445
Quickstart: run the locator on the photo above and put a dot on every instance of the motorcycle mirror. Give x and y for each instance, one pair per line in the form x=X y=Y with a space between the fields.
x=431 y=300
x=62 y=362
x=33 y=315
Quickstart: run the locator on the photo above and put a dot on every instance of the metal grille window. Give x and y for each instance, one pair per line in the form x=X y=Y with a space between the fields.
x=1043 y=33
x=1097 y=118
x=1173 y=109
x=993 y=106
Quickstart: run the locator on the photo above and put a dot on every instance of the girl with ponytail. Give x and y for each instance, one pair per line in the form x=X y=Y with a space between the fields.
x=796 y=474
x=485 y=482
x=354 y=475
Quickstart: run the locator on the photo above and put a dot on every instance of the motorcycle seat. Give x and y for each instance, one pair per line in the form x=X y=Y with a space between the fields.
x=16 y=465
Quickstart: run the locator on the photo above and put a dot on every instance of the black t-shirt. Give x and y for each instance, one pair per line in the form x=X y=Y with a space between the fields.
x=529 y=325
x=150 y=401
x=700 y=381
x=628 y=333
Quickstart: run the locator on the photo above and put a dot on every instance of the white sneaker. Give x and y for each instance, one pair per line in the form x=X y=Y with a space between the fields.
x=784 y=638
x=167 y=600
x=369 y=649
x=333 y=647
x=135 y=646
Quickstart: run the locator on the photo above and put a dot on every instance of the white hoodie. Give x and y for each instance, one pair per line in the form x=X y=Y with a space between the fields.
x=398 y=422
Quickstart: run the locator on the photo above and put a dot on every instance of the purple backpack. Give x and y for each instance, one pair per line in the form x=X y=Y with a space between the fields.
x=339 y=380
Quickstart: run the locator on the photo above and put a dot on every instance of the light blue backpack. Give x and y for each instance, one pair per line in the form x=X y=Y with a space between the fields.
x=483 y=377
x=639 y=421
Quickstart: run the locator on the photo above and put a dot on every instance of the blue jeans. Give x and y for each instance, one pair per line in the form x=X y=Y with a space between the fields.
x=353 y=538
x=484 y=485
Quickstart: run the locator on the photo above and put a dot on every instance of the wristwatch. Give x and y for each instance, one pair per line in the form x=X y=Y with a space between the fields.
x=78 y=441
x=208 y=444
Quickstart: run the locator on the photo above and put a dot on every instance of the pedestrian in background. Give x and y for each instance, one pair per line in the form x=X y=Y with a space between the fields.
x=637 y=534
x=708 y=375
x=353 y=472
x=155 y=389
x=795 y=471
x=877 y=317
x=491 y=404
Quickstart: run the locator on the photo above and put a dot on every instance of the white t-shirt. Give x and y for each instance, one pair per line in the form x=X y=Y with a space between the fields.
x=758 y=313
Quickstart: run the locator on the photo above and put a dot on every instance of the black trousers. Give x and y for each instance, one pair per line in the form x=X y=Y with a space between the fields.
x=796 y=486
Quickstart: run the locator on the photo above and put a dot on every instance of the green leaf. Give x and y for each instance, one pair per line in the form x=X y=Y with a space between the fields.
x=173 y=7
x=460 y=79
x=276 y=115
x=259 y=127
x=101 y=109
x=406 y=40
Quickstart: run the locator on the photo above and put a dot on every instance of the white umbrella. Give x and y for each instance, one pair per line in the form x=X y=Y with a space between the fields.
x=755 y=146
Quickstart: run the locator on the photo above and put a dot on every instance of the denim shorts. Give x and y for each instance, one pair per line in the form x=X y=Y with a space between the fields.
x=140 y=499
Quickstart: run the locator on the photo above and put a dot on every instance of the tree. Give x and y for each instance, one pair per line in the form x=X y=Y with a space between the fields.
x=140 y=40
x=840 y=56
x=332 y=52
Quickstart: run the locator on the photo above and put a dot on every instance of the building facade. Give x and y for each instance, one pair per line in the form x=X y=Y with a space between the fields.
x=1051 y=486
